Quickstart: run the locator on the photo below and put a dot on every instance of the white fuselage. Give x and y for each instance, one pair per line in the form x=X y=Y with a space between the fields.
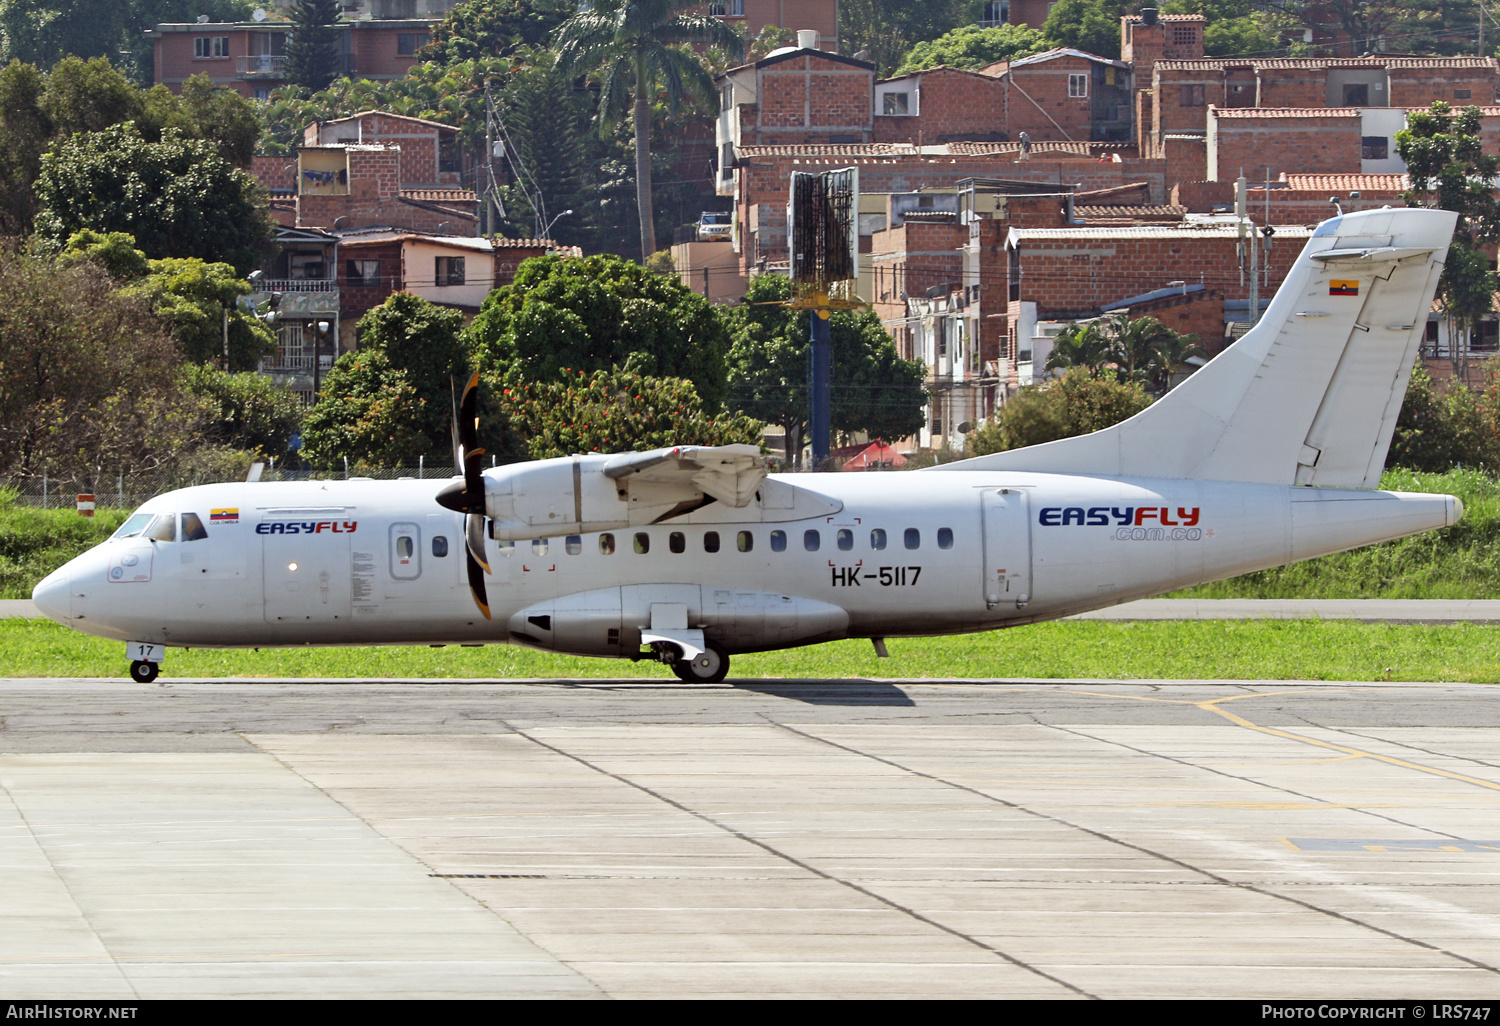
x=816 y=557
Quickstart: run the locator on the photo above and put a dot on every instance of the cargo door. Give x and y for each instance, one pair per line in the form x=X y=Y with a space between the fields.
x=308 y=577
x=1007 y=549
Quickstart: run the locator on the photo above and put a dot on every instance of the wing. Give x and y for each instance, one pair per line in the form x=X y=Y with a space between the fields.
x=728 y=473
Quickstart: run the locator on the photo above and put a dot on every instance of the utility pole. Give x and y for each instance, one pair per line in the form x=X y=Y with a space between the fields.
x=1242 y=214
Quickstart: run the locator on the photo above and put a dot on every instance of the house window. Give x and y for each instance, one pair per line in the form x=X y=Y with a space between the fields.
x=1078 y=85
x=996 y=12
x=1357 y=95
x=1462 y=94
x=450 y=271
x=407 y=43
x=210 y=46
x=897 y=104
x=727 y=9
x=1374 y=147
x=1192 y=96
x=363 y=272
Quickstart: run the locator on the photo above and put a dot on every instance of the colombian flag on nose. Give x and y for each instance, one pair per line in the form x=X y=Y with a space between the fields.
x=1340 y=287
x=224 y=516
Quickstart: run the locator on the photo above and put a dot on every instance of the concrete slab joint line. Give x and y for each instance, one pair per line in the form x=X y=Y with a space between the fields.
x=1181 y=863
x=806 y=866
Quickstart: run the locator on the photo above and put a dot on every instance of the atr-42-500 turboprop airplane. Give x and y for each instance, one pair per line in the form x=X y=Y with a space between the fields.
x=689 y=555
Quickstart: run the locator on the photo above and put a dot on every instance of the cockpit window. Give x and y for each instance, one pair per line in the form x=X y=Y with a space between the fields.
x=134 y=526
x=192 y=528
x=163 y=528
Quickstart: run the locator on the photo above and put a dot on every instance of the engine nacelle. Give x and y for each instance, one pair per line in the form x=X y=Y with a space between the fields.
x=565 y=495
x=584 y=494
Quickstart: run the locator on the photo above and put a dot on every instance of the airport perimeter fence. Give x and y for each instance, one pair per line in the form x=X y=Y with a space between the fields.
x=128 y=490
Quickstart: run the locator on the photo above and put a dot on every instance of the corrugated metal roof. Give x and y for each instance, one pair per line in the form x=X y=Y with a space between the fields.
x=1066 y=51
x=1153 y=296
x=1124 y=233
x=1318 y=63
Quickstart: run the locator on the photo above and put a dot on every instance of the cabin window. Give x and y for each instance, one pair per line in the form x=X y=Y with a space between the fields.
x=506 y=547
x=539 y=546
x=192 y=528
x=877 y=539
x=913 y=538
x=406 y=556
x=811 y=540
x=711 y=541
x=744 y=541
x=642 y=543
x=778 y=541
x=163 y=528
x=574 y=544
x=846 y=539
x=439 y=546
x=676 y=542
x=606 y=545
x=945 y=537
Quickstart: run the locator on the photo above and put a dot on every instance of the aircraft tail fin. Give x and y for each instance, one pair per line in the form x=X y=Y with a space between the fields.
x=1310 y=395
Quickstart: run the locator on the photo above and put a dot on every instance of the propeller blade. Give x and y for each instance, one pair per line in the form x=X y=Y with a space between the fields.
x=467 y=430
x=474 y=535
x=476 y=586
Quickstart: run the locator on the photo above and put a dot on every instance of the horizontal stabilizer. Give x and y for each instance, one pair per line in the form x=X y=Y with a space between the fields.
x=1310 y=395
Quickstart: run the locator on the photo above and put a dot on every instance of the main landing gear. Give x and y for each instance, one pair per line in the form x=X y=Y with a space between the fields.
x=710 y=667
x=143 y=672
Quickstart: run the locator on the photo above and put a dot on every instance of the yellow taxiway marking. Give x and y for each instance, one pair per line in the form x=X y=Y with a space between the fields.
x=1212 y=705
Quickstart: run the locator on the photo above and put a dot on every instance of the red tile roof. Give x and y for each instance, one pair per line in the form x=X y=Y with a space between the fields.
x=1320 y=63
x=1256 y=113
x=1342 y=183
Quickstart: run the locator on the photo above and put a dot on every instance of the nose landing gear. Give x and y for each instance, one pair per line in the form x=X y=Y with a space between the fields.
x=143 y=672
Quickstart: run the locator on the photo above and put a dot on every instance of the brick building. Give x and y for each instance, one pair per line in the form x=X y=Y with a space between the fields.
x=250 y=57
x=820 y=16
x=372 y=169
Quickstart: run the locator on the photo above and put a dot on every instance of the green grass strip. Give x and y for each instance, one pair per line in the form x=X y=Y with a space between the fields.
x=1203 y=650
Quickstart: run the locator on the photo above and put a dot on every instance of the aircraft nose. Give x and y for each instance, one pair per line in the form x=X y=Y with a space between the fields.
x=53 y=595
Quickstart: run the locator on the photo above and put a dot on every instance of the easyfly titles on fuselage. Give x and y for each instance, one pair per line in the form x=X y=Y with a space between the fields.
x=366 y=562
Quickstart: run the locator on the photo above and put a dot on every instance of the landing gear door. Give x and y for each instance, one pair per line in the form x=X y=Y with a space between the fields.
x=1007 y=549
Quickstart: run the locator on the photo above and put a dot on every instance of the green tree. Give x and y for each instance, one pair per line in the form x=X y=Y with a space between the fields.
x=89 y=96
x=1075 y=404
x=873 y=390
x=1439 y=429
x=1449 y=169
x=391 y=401
x=887 y=29
x=971 y=47
x=86 y=377
x=313 y=51
x=494 y=28
x=25 y=130
x=1092 y=26
x=1142 y=349
x=245 y=411
x=595 y=314
x=368 y=413
x=635 y=48
x=42 y=32
x=614 y=410
x=198 y=301
x=114 y=252
x=178 y=197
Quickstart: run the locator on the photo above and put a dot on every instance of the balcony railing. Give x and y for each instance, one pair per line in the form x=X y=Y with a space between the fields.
x=261 y=65
x=298 y=285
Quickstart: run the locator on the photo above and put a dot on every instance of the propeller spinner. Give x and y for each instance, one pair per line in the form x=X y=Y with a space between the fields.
x=467 y=496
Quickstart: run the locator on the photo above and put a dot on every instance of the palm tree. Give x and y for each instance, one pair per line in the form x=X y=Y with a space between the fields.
x=635 y=47
x=1080 y=345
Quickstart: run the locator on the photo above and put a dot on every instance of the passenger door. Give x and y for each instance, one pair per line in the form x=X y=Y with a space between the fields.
x=1007 y=548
